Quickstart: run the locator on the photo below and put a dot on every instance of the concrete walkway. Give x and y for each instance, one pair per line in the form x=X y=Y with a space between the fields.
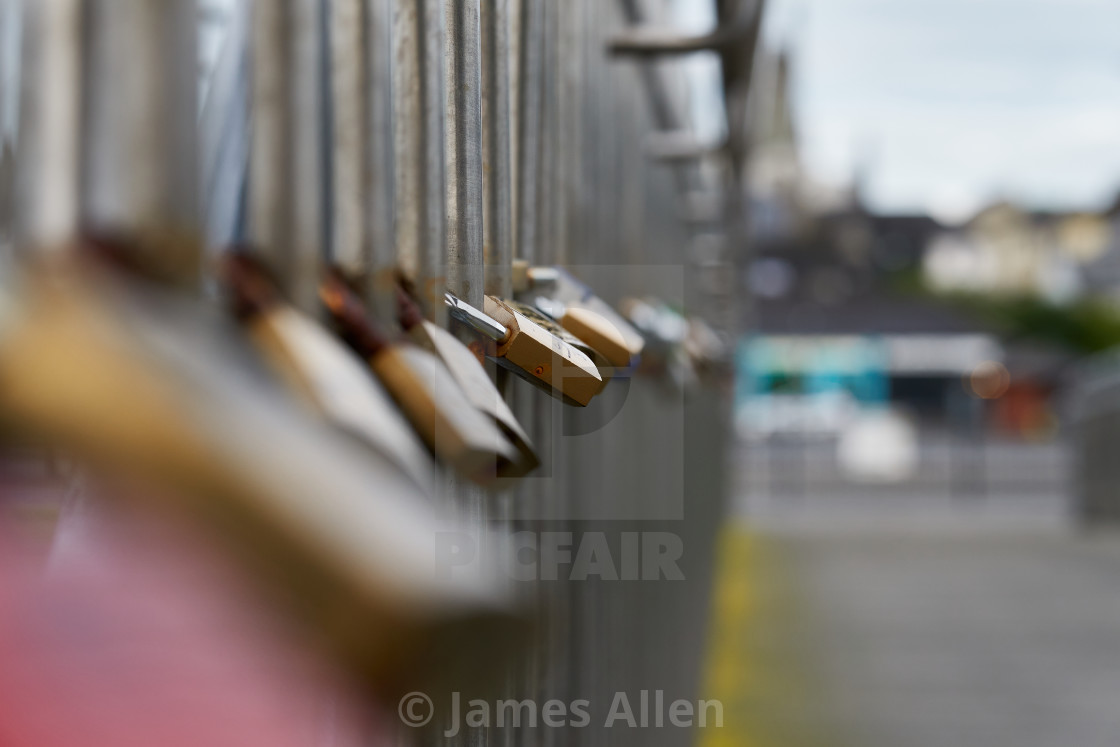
x=917 y=637
x=978 y=641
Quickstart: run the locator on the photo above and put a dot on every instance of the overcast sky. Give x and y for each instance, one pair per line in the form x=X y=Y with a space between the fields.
x=950 y=103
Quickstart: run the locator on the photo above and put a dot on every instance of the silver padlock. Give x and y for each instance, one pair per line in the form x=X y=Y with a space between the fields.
x=471 y=375
x=423 y=388
x=666 y=331
x=320 y=369
x=533 y=353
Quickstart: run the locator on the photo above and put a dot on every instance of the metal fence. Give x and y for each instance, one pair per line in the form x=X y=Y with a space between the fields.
x=952 y=469
x=447 y=139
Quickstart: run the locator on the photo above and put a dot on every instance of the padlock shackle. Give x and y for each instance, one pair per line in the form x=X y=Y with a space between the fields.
x=349 y=314
x=253 y=290
x=409 y=313
x=477 y=320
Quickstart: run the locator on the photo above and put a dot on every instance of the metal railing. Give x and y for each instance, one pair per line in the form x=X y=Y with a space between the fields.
x=446 y=139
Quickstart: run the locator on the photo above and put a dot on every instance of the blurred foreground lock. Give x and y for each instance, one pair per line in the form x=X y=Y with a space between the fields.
x=522 y=346
x=470 y=374
x=156 y=387
x=320 y=368
x=577 y=309
x=148 y=383
x=429 y=396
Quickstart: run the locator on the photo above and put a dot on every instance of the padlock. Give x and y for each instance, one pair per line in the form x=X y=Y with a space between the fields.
x=147 y=382
x=471 y=376
x=577 y=309
x=425 y=390
x=548 y=323
x=531 y=352
x=323 y=371
x=660 y=324
x=666 y=331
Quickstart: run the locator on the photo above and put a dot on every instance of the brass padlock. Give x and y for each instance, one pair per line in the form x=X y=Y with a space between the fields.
x=577 y=309
x=425 y=390
x=472 y=378
x=522 y=346
x=324 y=372
x=549 y=324
x=152 y=384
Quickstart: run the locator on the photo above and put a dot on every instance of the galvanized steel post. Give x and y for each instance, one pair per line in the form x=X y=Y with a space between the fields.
x=139 y=160
x=286 y=180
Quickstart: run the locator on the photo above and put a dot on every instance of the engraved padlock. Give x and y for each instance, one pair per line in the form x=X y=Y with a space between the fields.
x=320 y=369
x=472 y=377
x=424 y=389
x=531 y=352
x=577 y=309
x=549 y=323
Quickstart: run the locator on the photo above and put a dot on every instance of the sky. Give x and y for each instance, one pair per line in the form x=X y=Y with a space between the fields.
x=945 y=105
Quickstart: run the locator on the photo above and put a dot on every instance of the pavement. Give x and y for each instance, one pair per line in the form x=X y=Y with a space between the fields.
x=917 y=619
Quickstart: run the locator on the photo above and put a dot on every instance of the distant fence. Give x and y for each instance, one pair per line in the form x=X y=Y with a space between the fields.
x=951 y=467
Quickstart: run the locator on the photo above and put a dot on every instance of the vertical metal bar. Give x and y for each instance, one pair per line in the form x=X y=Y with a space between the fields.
x=306 y=141
x=464 y=150
x=224 y=134
x=269 y=171
x=516 y=27
x=594 y=67
x=433 y=267
x=408 y=132
x=47 y=184
x=463 y=139
x=349 y=243
x=527 y=143
x=379 y=153
x=571 y=109
x=496 y=22
x=585 y=482
x=11 y=35
x=607 y=202
x=286 y=175
x=418 y=142
x=140 y=129
x=525 y=16
x=547 y=194
x=11 y=49
x=497 y=246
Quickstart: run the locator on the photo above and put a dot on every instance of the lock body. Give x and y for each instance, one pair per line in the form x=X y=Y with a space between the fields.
x=471 y=376
x=321 y=370
x=585 y=315
x=542 y=358
x=438 y=409
x=334 y=381
x=598 y=332
x=549 y=324
x=441 y=412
